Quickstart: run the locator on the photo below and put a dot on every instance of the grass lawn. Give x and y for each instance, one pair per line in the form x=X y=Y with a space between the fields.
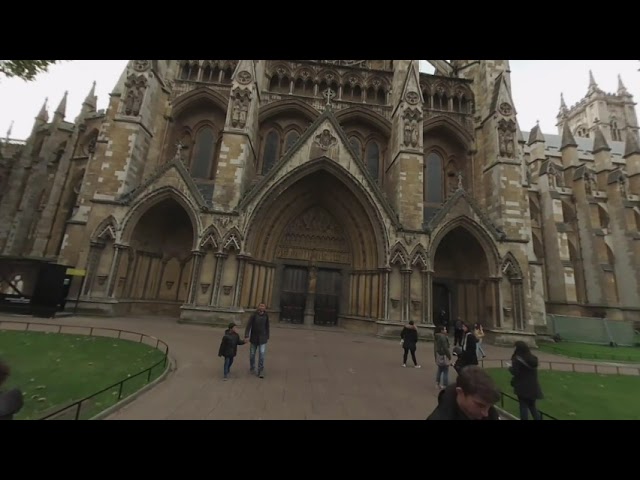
x=55 y=369
x=580 y=396
x=593 y=352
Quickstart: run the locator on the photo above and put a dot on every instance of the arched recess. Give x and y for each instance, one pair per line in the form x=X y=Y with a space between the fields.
x=101 y=251
x=157 y=270
x=465 y=278
x=373 y=134
x=419 y=279
x=399 y=262
x=281 y=124
x=195 y=112
x=512 y=293
x=445 y=139
x=316 y=229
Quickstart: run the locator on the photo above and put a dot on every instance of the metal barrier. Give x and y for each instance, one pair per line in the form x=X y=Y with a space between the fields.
x=591 y=356
x=572 y=367
x=76 y=407
x=542 y=414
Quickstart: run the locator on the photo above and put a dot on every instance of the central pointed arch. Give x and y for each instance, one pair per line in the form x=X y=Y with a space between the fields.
x=289 y=197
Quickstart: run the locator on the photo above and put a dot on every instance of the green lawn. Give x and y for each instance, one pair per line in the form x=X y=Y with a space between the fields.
x=580 y=396
x=593 y=352
x=55 y=369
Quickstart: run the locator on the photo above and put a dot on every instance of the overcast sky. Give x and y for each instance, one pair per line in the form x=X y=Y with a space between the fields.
x=536 y=88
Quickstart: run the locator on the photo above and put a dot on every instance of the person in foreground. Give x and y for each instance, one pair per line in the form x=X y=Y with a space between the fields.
x=472 y=397
x=526 y=386
x=11 y=401
x=229 y=347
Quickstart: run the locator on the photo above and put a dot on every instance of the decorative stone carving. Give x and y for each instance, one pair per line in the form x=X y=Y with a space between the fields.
x=412 y=98
x=329 y=95
x=506 y=138
x=347 y=63
x=178 y=156
x=313 y=278
x=223 y=222
x=505 y=109
x=590 y=184
x=315 y=236
x=240 y=110
x=204 y=287
x=622 y=185
x=232 y=243
x=226 y=289
x=141 y=65
x=411 y=117
x=555 y=176
x=244 y=77
x=136 y=87
x=325 y=140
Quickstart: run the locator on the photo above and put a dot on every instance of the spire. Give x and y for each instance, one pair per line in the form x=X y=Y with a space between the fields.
x=91 y=100
x=567 y=137
x=562 y=113
x=593 y=86
x=622 y=90
x=9 y=131
x=631 y=145
x=536 y=134
x=43 y=116
x=62 y=108
x=599 y=142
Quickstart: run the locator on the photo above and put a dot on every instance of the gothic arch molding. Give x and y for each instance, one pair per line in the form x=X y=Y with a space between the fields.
x=373 y=118
x=511 y=267
x=210 y=238
x=183 y=102
x=107 y=228
x=478 y=232
x=135 y=213
x=419 y=257
x=287 y=105
x=399 y=256
x=267 y=206
x=450 y=125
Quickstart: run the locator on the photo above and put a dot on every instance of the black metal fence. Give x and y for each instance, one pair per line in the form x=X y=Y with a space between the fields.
x=74 y=410
x=504 y=396
x=613 y=357
x=570 y=367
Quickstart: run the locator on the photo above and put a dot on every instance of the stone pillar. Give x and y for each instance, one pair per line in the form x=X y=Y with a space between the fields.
x=427 y=292
x=309 y=311
x=497 y=301
x=113 y=272
x=405 y=294
x=215 y=291
x=384 y=273
x=242 y=259
x=195 y=276
x=95 y=251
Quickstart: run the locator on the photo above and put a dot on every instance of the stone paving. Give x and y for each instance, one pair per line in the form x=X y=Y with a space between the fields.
x=313 y=374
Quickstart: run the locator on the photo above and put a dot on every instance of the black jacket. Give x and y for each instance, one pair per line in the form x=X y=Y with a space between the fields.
x=257 y=330
x=229 y=344
x=468 y=356
x=448 y=408
x=11 y=402
x=410 y=337
x=525 y=377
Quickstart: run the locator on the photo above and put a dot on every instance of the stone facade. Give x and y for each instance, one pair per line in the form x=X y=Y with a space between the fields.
x=360 y=193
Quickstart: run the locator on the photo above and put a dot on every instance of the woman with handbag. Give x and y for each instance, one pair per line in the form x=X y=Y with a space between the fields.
x=442 y=354
x=409 y=340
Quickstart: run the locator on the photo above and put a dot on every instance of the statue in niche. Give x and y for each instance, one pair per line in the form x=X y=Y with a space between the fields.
x=590 y=185
x=135 y=94
x=622 y=184
x=414 y=133
x=313 y=278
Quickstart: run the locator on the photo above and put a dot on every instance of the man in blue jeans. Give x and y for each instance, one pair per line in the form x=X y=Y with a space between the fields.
x=257 y=332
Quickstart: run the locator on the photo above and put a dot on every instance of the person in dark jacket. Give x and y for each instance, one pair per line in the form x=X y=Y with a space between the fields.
x=229 y=347
x=467 y=355
x=472 y=397
x=524 y=368
x=12 y=400
x=442 y=354
x=409 y=341
x=257 y=332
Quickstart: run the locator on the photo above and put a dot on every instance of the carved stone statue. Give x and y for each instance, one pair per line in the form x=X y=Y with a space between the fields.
x=622 y=184
x=313 y=278
x=590 y=185
x=136 y=87
x=506 y=138
x=240 y=108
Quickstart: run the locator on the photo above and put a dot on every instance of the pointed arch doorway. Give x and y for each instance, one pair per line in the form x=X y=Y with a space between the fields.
x=316 y=255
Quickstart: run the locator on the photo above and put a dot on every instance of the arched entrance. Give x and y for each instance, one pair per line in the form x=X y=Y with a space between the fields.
x=315 y=253
x=461 y=285
x=155 y=271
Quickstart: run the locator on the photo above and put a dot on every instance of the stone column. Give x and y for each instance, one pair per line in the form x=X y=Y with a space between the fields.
x=426 y=297
x=115 y=265
x=195 y=276
x=215 y=292
x=239 y=279
x=384 y=274
x=497 y=301
x=95 y=251
x=309 y=311
x=405 y=294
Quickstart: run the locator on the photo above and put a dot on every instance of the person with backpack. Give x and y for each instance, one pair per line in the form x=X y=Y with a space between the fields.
x=442 y=354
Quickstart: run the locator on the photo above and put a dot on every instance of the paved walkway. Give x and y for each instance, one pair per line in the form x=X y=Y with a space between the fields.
x=312 y=374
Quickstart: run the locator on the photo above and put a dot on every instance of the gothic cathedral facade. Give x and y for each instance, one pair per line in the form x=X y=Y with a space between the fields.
x=355 y=193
